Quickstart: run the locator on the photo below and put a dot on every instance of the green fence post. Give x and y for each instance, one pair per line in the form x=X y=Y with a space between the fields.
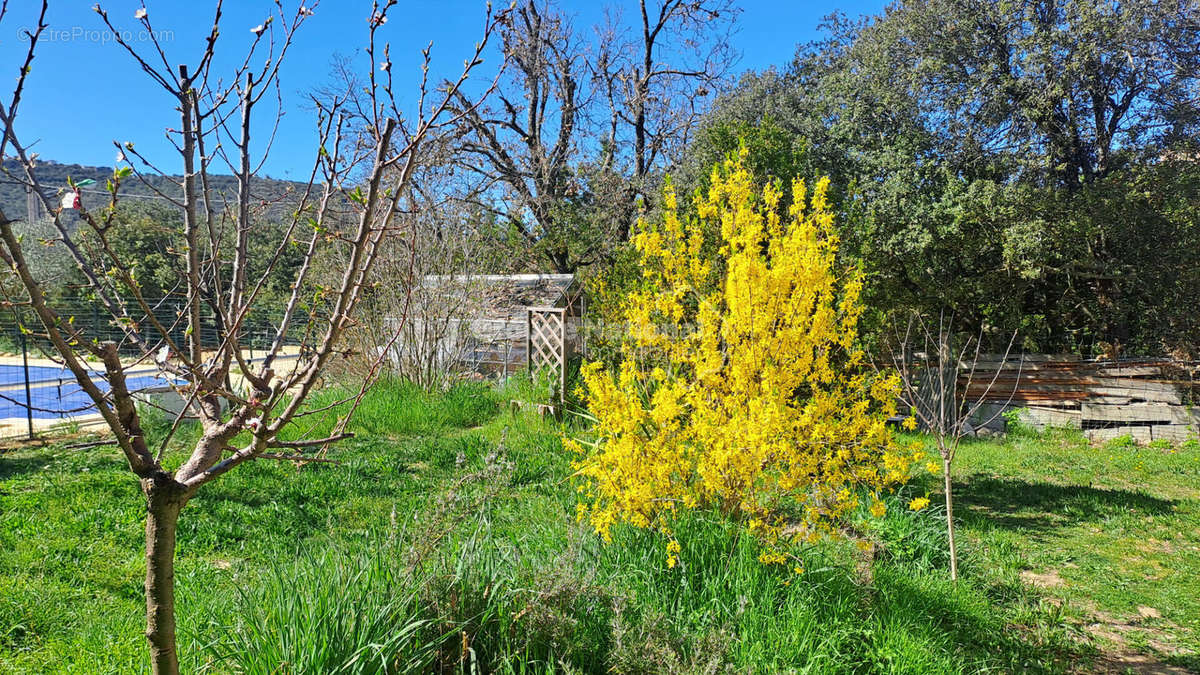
x=28 y=392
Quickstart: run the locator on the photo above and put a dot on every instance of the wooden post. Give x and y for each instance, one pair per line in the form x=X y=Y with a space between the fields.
x=507 y=351
x=562 y=357
x=529 y=340
x=583 y=324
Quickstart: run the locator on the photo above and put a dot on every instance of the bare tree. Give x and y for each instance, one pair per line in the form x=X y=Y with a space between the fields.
x=631 y=102
x=425 y=290
x=659 y=82
x=946 y=392
x=347 y=208
x=526 y=142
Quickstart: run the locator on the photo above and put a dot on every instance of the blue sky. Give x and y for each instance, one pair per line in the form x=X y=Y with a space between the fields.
x=83 y=92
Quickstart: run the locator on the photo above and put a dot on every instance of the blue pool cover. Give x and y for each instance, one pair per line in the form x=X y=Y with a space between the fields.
x=54 y=393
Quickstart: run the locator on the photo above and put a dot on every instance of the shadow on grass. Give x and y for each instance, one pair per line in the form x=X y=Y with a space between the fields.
x=934 y=613
x=1039 y=508
x=1188 y=661
x=11 y=467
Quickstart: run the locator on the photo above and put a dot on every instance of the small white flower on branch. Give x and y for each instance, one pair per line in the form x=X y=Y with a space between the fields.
x=120 y=155
x=163 y=354
x=140 y=14
x=306 y=11
x=258 y=30
x=254 y=423
x=385 y=66
x=70 y=200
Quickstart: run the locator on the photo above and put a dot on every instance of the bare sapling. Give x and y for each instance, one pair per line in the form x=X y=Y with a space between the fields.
x=227 y=124
x=427 y=294
x=944 y=389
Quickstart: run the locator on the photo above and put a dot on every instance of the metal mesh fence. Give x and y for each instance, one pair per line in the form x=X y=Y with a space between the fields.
x=1145 y=399
x=40 y=396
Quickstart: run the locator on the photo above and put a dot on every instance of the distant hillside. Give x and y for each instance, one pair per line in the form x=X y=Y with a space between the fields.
x=53 y=176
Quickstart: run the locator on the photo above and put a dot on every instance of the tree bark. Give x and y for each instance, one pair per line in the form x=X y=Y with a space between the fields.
x=950 y=519
x=165 y=498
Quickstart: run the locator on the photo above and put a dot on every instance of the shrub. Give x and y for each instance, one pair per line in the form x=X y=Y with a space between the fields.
x=739 y=383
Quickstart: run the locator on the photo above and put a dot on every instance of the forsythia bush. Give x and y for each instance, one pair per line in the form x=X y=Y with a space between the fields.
x=739 y=384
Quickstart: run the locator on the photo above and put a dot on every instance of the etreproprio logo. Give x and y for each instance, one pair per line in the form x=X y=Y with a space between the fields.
x=98 y=35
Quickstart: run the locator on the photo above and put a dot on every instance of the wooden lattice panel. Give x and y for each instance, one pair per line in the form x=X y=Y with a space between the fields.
x=546 y=329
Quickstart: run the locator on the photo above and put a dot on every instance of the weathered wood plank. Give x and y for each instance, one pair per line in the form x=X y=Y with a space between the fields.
x=1140 y=412
x=1139 y=434
x=1130 y=371
x=1138 y=385
x=1054 y=380
x=1041 y=417
x=1058 y=399
x=1034 y=358
x=1176 y=433
x=1029 y=386
x=1109 y=400
x=1066 y=395
x=1026 y=366
x=1153 y=395
x=1027 y=380
x=1075 y=384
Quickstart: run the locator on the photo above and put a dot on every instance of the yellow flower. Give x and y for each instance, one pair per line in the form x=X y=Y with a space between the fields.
x=933 y=467
x=909 y=423
x=739 y=382
x=918 y=503
x=771 y=558
x=673 y=549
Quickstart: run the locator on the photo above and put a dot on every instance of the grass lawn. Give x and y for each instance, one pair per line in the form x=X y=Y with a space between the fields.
x=445 y=541
x=1109 y=534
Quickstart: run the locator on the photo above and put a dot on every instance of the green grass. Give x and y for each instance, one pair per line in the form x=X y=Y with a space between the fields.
x=1112 y=529
x=445 y=540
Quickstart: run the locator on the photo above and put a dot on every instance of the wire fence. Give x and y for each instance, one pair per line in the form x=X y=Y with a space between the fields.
x=39 y=396
x=1145 y=399
x=257 y=331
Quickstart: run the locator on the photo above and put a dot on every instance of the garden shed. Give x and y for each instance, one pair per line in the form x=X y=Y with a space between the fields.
x=491 y=324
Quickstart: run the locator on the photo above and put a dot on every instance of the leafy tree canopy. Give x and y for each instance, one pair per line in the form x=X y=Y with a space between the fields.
x=1027 y=165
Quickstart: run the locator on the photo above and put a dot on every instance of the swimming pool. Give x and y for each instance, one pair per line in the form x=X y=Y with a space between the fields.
x=55 y=394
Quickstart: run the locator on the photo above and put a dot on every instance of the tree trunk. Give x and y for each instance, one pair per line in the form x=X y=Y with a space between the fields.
x=950 y=519
x=164 y=500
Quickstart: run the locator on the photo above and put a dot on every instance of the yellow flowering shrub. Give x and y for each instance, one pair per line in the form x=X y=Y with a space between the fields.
x=739 y=384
